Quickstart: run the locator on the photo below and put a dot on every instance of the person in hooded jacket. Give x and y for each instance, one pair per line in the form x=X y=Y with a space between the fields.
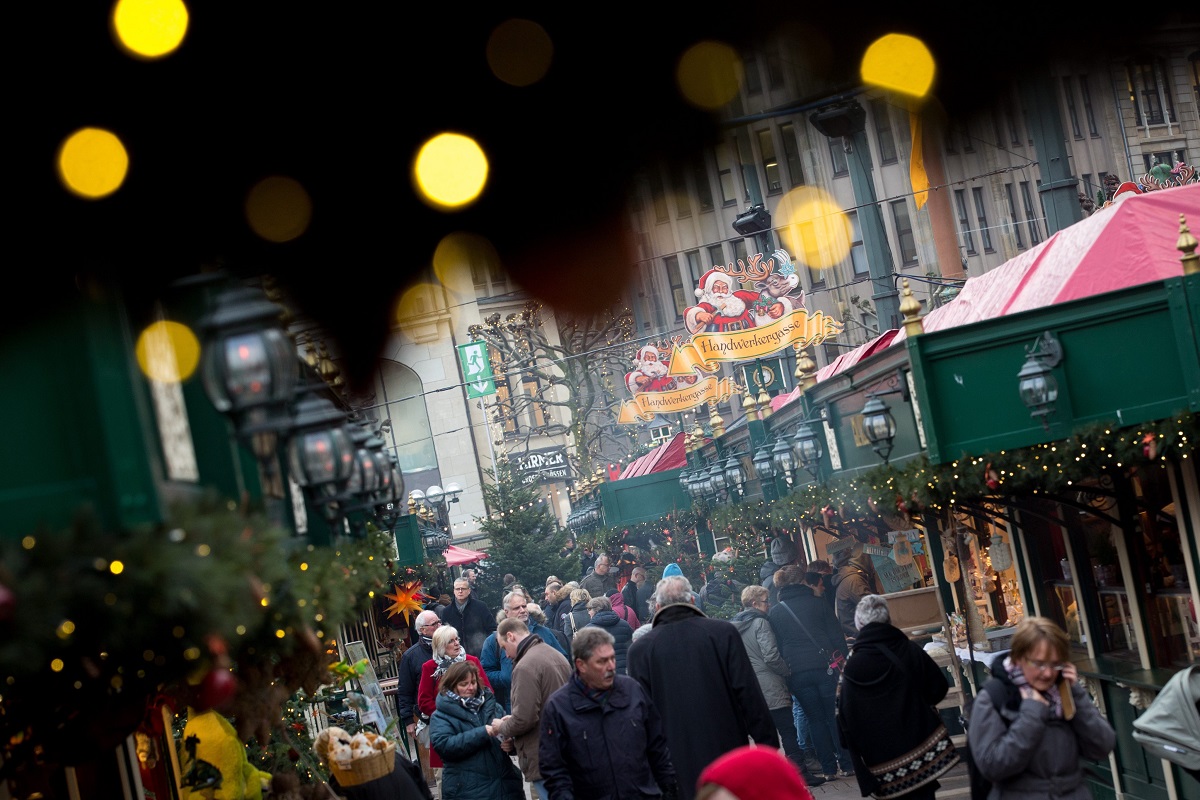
x=853 y=579
x=783 y=553
x=807 y=633
x=887 y=706
x=772 y=672
x=617 y=600
x=603 y=616
x=578 y=615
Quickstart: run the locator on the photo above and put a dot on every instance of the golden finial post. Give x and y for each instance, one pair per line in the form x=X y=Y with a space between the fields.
x=806 y=370
x=749 y=406
x=1187 y=246
x=714 y=420
x=910 y=307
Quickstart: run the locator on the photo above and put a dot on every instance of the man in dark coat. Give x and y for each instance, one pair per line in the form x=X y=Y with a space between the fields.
x=853 y=580
x=602 y=736
x=470 y=617
x=697 y=668
x=603 y=580
x=806 y=640
x=887 y=705
x=409 y=679
x=783 y=553
x=631 y=591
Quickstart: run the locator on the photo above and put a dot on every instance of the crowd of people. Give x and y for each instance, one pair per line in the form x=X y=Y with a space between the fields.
x=625 y=688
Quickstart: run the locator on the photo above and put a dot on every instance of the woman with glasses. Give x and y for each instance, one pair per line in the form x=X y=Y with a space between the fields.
x=1032 y=744
x=447 y=651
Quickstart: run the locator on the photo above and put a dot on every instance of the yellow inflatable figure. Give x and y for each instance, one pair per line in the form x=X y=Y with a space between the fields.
x=214 y=762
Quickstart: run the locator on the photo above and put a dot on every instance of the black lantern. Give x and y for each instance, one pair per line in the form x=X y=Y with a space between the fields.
x=249 y=367
x=784 y=461
x=684 y=476
x=716 y=476
x=879 y=426
x=320 y=451
x=763 y=464
x=1036 y=382
x=807 y=447
x=735 y=475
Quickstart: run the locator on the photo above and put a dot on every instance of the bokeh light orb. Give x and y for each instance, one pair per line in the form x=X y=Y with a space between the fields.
x=817 y=229
x=900 y=63
x=167 y=352
x=92 y=163
x=149 y=29
x=519 y=52
x=278 y=209
x=709 y=74
x=461 y=260
x=450 y=171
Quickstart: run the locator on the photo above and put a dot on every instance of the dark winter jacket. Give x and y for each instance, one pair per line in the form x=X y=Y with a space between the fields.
x=799 y=650
x=600 y=585
x=645 y=595
x=578 y=616
x=410 y=680
x=629 y=593
x=885 y=711
x=590 y=751
x=473 y=623
x=697 y=669
x=853 y=580
x=499 y=666
x=474 y=766
x=406 y=781
x=1027 y=753
x=769 y=667
x=621 y=632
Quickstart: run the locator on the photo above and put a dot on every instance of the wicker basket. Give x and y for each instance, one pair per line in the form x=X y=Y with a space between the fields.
x=378 y=764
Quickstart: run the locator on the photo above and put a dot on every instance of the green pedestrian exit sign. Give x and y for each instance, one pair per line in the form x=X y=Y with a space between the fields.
x=476 y=369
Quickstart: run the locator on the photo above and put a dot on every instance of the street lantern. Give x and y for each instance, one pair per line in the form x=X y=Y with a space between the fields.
x=784 y=461
x=879 y=426
x=320 y=450
x=1036 y=382
x=716 y=476
x=735 y=475
x=763 y=465
x=807 y=447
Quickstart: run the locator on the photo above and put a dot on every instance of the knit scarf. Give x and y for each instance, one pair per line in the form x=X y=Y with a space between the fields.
x=1017 y=676
x=427 y=641
x=444 y=663
x=472 y=704
x=599 y=696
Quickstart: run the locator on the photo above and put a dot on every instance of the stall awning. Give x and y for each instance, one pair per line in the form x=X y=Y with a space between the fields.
x=670 y=455
x=1126 y=244
x=456 y=556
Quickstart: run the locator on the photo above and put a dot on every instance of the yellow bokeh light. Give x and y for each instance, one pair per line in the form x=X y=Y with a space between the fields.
x=28 y=542
x=203 y=550
x=56 y=665
x=150 y=29
x=519 y=52
x=116 y=567
x=709 y=74
x=167 y=352
x=816 y=230
x=415 y=304
x=900 y=63
x=278 y=209
x=458 y=257
x=450 y=171
x=92 y=163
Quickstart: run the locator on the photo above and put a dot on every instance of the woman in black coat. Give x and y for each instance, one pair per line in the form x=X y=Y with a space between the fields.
x=600 y=609
x=886 y=708
x=807 y=633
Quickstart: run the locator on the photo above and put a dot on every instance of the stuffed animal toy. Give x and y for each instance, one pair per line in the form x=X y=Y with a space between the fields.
x=360 y=746
x=333 y=744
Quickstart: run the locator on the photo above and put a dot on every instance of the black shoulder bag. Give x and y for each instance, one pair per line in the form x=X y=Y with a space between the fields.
x=836 y=659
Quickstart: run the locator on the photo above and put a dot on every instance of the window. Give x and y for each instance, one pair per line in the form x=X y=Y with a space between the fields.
x=809 y=243
x=676 y=283
x=683 y=200
x=904 y=231
x=1031 y=219
x=753 y=78
x=985 y=233
x=739 y=253
x=858 y=251
x=411 y=432
x=1150 y=93
x=1072 y=114
x=774 y=71
x=791 y=154
x=660 y=434
x=766 y=146
x=704 y=196
x=695 y=267
x=1013 y=221
x=837 y=152
x=883 y=131
x=537 y=412
x=998 y=128
x=1010 y=118
x=659 y=198
x=728 y=187
x=1168 y=157
x=1089 y=113
x=964 y=222
x=964 y=133
x=716 y=257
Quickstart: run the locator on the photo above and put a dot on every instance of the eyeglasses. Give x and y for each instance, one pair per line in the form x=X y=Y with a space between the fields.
x=1039 y=666
x=434 y=624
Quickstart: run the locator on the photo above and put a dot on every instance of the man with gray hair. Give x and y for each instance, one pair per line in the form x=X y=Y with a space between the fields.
x=601 y=733
x=409 y=680
x=719 y=683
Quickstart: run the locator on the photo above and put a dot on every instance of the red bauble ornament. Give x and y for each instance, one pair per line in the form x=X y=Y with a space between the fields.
x=991 y=478
x=8 y=603
x=218 y=688
x=1149 y=446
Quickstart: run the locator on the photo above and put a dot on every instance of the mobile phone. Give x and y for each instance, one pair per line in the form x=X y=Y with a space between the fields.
x=1064 y=692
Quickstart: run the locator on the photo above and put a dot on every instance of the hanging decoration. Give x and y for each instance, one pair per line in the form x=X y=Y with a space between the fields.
x=1000 y=554
x=406 y=600
x=950 y=569
x=902 y=552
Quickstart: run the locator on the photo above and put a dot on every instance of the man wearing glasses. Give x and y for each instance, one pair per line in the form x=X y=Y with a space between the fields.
x=470 y=617
x=410 y=679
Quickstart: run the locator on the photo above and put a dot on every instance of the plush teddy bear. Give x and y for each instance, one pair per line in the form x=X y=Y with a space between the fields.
x=333 y=744
x=360 y=746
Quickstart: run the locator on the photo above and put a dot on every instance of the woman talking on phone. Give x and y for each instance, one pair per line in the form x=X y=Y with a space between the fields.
x=1030 y=746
